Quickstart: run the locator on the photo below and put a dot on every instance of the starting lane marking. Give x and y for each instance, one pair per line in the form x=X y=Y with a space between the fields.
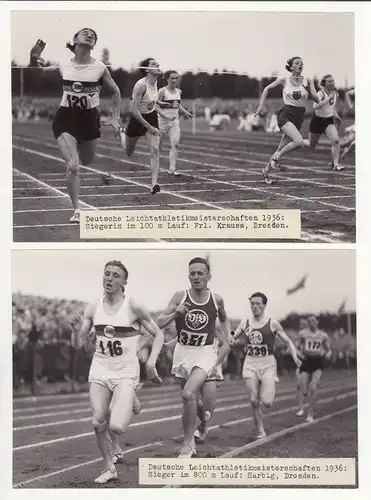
x=161 y=443
x=272 y=437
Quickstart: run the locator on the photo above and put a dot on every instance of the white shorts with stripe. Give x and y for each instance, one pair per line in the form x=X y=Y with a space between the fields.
x=185 y=358
x=110 y=375
x=260 y=367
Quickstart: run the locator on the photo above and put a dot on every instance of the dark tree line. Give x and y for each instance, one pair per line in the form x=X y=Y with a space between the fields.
x=219 y=84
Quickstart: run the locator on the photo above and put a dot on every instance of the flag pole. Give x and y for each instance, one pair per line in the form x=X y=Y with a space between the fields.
x=194 y=117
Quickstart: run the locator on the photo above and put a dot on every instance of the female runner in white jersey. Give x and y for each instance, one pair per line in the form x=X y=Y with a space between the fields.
x=169 y=98
x=76 y=125
x=114 y=373
x=144 y=120
x=296 y=90
x=324 y=117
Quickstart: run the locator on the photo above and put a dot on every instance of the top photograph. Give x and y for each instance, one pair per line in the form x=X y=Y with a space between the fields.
x=183 y=126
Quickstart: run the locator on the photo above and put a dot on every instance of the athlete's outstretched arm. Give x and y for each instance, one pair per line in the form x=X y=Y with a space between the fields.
x=323 y=99
x=116 y=98
x=144 y=318
x=174 y=309
x=225 y=325
x=239 y=330
x=224 y=347
x=36 y=61
x=299 y=345
x=313 y=91
x=348 y=95
x=279 y=81
x=327 y=346
x=278 y=330
x=81 y=326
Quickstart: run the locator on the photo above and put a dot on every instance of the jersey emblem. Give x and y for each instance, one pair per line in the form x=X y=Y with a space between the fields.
x=255 y=337
x=77 y=87
x=109 y=331
x=196 y=319
x=296 y=95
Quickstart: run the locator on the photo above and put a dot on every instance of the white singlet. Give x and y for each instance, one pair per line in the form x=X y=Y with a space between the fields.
x=172 y=98
x=81 y=84
x=149 y=98
x=116 y=344
x=295 y=95
x=327 y=110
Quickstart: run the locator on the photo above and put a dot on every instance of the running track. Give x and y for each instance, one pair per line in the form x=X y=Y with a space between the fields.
x=220 y=170
x=54 y=446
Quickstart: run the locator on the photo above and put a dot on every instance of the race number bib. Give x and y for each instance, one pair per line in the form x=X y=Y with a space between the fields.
x=111 y=348
x=313 y=346
x=192 y=339
x=74 y=101
x=256 y=350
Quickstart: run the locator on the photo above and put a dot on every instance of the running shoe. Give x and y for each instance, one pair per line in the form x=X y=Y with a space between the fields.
x=107 y=475
x=156 y=189
x=310 y=418
x=187 y=452
x=75 y=219
x=174 y=172
x=300 y=413
x=137 y=406
x=268 y=180
x=118 y=458
x=202 y=430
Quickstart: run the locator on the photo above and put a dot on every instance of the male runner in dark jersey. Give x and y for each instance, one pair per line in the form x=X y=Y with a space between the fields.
x=260 y=366
x=195 y=312
x=314 y=347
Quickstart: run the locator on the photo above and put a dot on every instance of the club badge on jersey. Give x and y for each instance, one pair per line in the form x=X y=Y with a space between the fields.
x=255 y=346
x=109 y=331
x=196 y=319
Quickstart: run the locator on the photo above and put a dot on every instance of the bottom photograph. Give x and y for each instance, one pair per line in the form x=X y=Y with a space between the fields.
x=176 y=368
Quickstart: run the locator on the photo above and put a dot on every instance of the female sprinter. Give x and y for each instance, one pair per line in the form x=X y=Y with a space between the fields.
x=323 y=121
x=296 y=90
x=76 y=125
x=169 y=98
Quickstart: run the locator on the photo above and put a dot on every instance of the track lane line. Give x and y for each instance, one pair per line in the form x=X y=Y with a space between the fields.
x=161 y=443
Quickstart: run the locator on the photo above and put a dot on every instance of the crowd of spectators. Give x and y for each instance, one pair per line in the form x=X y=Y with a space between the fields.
x=42 y=352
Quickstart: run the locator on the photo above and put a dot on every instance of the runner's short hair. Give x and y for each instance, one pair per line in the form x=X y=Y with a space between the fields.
x=261 y=295
x=200 y=260
x=118 y=263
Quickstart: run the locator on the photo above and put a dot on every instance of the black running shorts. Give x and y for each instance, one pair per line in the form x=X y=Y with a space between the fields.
x=311 y=365
x=318 y=125
x=136 y=129
x=82 y=124
x=291 y=114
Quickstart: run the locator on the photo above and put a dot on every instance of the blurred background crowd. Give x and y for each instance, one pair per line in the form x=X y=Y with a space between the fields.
x=42 y=354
